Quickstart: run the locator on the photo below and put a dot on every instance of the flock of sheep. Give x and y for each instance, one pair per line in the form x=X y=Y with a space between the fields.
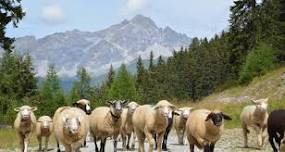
x=202 y=127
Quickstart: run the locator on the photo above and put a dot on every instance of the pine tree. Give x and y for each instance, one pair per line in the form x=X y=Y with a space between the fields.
x=123 y=87
x=151 y=64
x=11 y=13
x=81 y=88
x=110 y=76
x=52 y=95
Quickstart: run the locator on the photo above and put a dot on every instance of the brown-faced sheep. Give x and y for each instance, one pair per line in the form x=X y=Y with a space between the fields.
x=44 y=128
x=25 y=124
x=180 y=123
x=127 y=128
x=70 y=127
x=255 y=116
x=149 y=121
x=204 y=128
x=106 y=122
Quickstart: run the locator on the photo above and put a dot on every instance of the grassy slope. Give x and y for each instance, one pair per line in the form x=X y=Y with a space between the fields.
x=232 y=100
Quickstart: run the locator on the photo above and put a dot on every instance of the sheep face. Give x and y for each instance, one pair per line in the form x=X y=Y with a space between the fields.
x=72 y=125
x=117 y=106
x=185 y=113
x=132 y=107
x=25 y=112
x=217 y=118
x=84 y=105
x=165 y=109
x=45 y=124
x=261 y=104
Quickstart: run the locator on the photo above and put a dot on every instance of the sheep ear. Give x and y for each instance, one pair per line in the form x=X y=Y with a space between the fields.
x=109 y=103
x=253 y=101
x=124 y=102
x=210 y=115
x=177 y=113
x=75 y=104
x=17 y=109
x=34 y=108
x=266 y=100
x=226 y=117
x=156 y=107
x=173 y=107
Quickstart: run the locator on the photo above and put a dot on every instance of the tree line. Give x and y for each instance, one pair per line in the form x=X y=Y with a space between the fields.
x=252 y=46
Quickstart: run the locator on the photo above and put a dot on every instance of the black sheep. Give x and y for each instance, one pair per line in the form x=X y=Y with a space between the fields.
x=276 y=127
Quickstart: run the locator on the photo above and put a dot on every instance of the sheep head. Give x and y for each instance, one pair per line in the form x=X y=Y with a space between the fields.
x=184 y=112
x=71 y=125
x=261 y=104
x=165 y=108
x=132 y=106
x=217 y=118
x=45 y=123
x=84 y=105
x=117 y=106
x=25 y=112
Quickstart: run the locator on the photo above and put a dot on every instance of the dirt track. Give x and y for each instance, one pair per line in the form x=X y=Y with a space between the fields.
x=231 y=141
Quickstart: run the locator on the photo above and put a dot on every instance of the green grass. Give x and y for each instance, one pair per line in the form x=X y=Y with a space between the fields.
x=9 y=139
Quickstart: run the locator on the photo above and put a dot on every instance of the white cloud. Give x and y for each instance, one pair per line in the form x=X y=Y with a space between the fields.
x=52 y=14
x=136 y=5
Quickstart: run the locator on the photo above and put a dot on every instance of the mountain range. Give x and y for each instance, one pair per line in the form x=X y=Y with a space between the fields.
x=117 y=44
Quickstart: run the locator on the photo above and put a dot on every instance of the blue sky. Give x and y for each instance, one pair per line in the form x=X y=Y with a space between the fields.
x=196 y=18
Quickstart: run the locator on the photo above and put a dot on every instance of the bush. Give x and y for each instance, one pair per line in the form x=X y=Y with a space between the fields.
x=258 y=62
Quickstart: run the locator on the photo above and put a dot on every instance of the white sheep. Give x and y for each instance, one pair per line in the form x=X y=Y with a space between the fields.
x=148 y=120
x=106 y=122
x=24 y=124
x=180 y=122
x=127 y=128
x=70 y=126
x=204 y=128
x=255 y=116
x=44 y=128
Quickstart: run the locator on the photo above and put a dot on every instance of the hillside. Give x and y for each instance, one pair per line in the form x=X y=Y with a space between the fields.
x=271 y=85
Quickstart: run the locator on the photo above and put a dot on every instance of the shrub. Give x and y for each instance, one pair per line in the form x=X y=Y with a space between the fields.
x=259 y=61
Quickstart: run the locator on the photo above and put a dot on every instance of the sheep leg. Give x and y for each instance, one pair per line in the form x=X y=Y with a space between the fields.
x=57 y=143
x=95 y=143
x=128 y=141
x=164 y=142
x=160 y=137
x=46 y=144
x=271 y=137
x=40 y=142
x=134 y=141
x=115 y=144
x=124 y=141
x=141 y=139
x=22 y=142
x=191 y=147
x=280 y=138
x=26 y=142
x=151 y=141
x=259 y=137
x=245 y=131
x=212 y=147
x=102 y=146
x=207 y=148
x=180 y=135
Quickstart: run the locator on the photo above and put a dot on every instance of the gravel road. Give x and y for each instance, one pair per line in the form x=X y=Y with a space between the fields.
x=231 y=141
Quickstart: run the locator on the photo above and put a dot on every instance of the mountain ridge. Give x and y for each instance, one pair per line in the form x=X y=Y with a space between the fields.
x=116 y=44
